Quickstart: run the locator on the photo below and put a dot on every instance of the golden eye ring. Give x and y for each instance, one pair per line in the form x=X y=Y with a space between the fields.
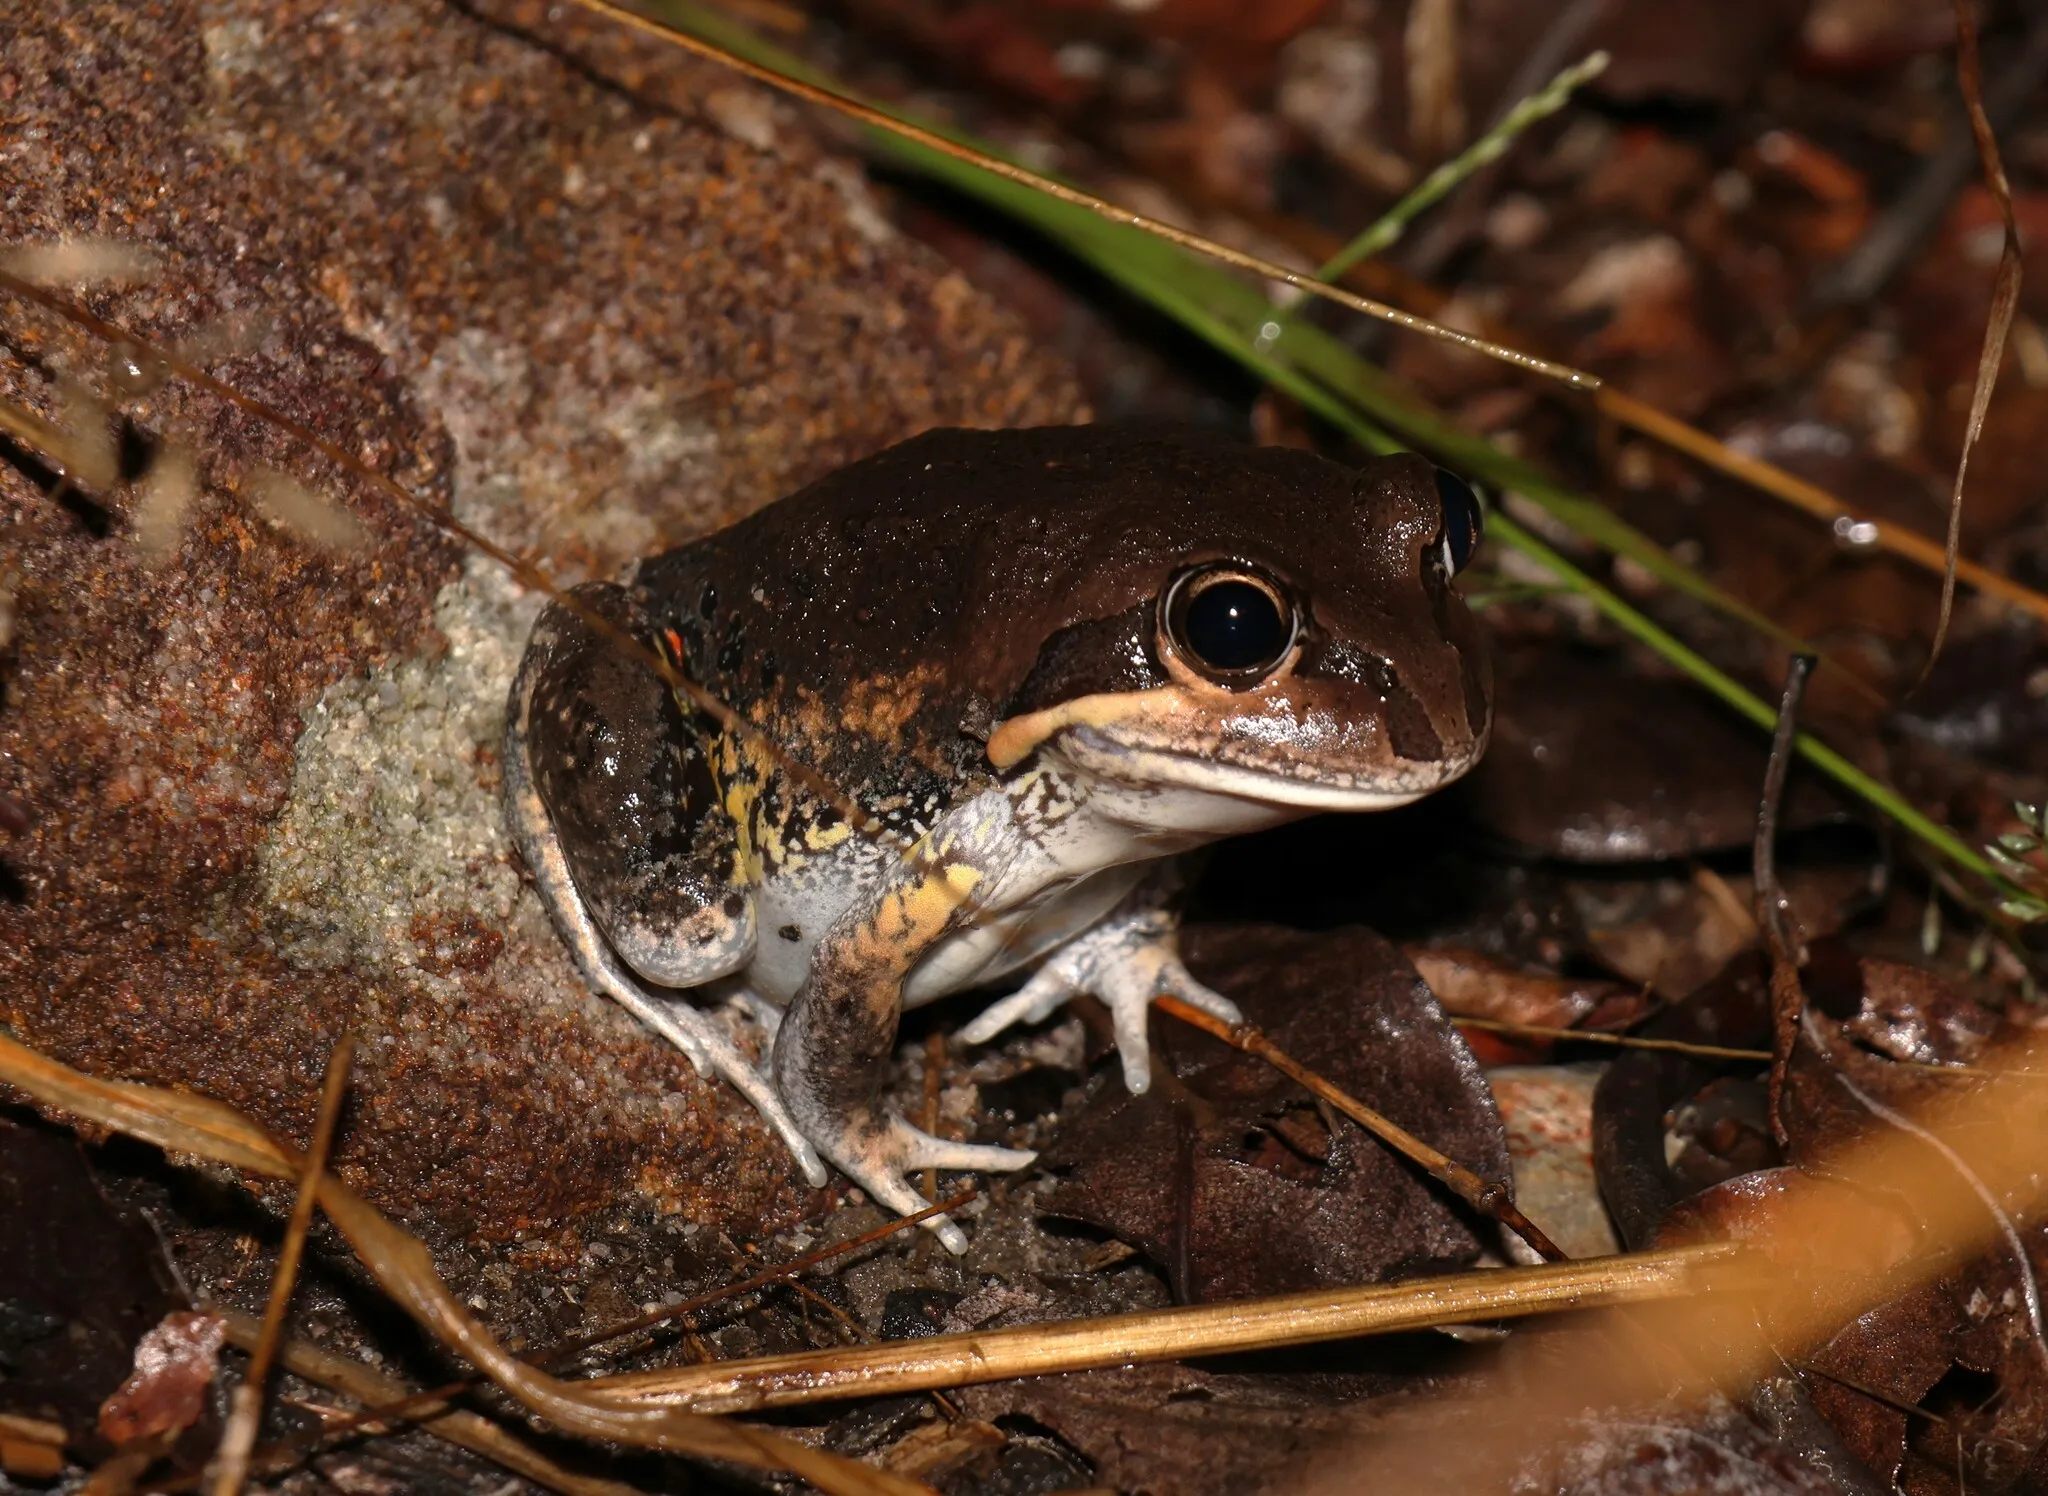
x=1228 y=624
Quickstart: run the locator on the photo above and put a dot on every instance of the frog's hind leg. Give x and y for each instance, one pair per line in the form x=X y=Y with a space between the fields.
x=621 y=838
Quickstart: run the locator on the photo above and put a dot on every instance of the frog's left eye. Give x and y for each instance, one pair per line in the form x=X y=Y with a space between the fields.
x=1464 y=521
x=1229 y=624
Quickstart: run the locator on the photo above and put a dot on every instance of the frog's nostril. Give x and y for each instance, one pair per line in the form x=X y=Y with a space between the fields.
x=1410 y=733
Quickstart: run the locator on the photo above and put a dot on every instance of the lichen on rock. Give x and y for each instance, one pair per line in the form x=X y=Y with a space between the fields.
x=394 y=832
x=501 y=255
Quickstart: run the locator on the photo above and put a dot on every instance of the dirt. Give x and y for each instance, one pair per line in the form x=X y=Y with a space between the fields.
x=592 y=298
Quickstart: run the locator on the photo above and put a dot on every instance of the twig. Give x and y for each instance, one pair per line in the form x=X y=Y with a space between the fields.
x=419 y=1405
x=1714 y=1051
x=1597 y=1036
x=931 y=140
x=1490 y=1197
x=231 y=1460
x=470 y=1430
x=904 y=1366
x=1773 y=910
x=185 y=1123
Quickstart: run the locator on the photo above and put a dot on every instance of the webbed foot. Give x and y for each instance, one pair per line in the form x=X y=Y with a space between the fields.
x=1126 y=961
x=877 y=1157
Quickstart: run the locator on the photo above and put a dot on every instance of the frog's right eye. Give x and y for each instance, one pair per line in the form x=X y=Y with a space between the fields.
x=1228 y=624
x=1464 y=521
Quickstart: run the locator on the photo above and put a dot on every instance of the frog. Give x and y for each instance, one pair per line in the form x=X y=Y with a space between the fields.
x=961 y=709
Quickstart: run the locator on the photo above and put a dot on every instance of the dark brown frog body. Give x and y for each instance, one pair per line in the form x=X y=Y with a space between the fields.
x=1043 y=660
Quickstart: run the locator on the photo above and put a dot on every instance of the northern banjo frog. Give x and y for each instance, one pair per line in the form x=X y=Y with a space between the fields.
x=1046 y=661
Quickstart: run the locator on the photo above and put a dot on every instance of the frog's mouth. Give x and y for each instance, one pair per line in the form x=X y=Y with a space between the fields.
x=1280 y=749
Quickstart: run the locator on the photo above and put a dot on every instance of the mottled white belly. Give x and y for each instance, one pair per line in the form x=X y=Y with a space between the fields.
x=999 y=945
x=1048 y=878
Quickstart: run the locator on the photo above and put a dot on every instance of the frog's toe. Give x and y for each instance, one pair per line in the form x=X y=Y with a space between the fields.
x=698 y=1035
x=879 y=1161
x=759 y=1088
x=937 y=1153
x=1128 y=993
x=1126 y=962
x=1037 y=1000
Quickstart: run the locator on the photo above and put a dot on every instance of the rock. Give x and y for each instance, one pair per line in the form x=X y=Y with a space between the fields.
x=591 y=295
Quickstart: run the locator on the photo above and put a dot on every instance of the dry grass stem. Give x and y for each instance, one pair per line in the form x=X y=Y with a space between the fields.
x=2005 y=298
x=182 y=1123
x=1873 y=1221
x=1709 y=1051
x=867 y=114
x=1838 y=515
x=428 y=1403
x=1494 y=1198
x=83 y=260
x=50 y=441
x=1624 y=1041
x=313 y=517
x=366 y=1385
x=32 y=1448
x=164 y=502
x=940 y=1361
x=231 y=1460
x=94 y=458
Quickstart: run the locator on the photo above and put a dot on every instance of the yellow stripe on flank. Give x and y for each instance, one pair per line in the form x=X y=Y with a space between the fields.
x=909 y=920
x=736 y=773
x=825 y=838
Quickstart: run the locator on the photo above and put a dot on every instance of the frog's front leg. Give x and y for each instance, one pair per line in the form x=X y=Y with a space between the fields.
x=832 y=1052
x=1125 y=960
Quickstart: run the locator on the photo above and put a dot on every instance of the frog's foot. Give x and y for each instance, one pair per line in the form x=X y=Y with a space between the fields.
x=877 y=1157
x=697 y=1034
x=1126 y=961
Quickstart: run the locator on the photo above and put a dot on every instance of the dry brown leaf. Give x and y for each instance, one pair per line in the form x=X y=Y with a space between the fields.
x=174 y=1365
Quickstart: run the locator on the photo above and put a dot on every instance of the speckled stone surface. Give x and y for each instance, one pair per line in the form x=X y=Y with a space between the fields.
x=595 y=298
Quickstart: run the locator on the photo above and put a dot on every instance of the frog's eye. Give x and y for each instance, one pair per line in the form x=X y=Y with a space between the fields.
x=1229 y=624
x=1464 y=520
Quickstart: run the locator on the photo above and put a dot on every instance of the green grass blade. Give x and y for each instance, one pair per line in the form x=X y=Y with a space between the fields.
x=1482 y=153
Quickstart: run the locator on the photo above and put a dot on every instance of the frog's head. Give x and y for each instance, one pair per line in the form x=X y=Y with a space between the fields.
x=1260 y=624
